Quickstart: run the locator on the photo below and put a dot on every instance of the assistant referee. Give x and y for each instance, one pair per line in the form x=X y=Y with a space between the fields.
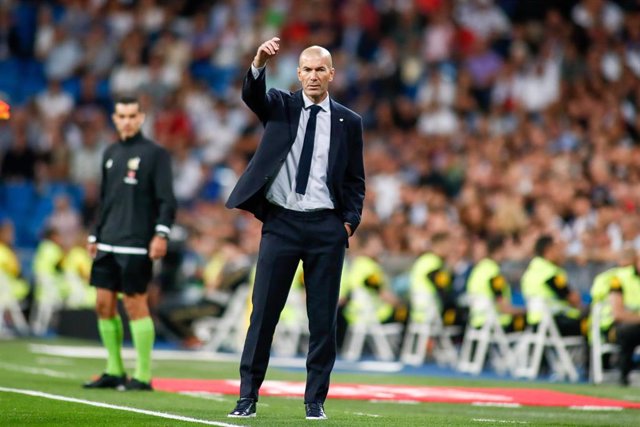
x=137 y=208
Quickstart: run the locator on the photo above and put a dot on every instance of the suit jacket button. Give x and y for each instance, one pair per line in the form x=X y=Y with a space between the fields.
x=266 y=178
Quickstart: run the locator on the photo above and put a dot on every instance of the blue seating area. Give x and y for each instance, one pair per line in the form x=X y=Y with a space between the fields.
x=23 y=200
x=21 y=79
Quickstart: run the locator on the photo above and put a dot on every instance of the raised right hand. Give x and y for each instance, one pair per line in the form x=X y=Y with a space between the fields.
x=266 y=51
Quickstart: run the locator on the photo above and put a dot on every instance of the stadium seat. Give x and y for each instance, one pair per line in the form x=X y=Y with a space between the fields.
x=490 y=340
x=226 y=332
x=546 y=339
x=19 y=198
x=10 y=78
x=419 y=334
x=384 y=338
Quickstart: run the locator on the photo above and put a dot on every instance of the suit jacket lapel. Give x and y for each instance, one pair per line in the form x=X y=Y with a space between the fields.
x=336 y=139
x=295 y=108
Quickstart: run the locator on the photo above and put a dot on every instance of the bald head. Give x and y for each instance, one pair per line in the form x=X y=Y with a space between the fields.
x=315 y=72
x=316 y=52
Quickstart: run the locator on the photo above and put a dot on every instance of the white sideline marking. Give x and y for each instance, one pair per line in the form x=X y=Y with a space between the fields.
x=596 y=408
x=117 y=407
x=362 y=414
x=205 y=395
x=82 y=352
x=400 y=402
x=491 y=420
x=37 y=371
x=497 y=404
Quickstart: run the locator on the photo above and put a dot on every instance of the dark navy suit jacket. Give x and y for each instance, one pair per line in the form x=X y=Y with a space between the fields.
x=279 y=112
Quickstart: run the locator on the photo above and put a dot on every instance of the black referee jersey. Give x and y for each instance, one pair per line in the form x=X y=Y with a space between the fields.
x=136 y=196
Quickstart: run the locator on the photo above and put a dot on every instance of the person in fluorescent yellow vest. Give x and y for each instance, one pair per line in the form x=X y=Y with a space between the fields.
x=545 y=279
x=487 y=281
x=76 y=267
x=601 y=287
x=10 y=265
x=366 y=274
x=619 y=290
x=47 y=268
x=431 y=282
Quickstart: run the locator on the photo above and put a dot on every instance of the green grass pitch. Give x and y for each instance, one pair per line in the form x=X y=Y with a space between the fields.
x=47 y=375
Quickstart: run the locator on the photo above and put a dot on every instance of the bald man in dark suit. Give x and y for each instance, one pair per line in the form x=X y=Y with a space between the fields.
x=306 y=183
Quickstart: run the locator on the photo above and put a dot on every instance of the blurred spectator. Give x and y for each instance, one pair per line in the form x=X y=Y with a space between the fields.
x=150 y=16
x=162 y=80
x=86 y=160
x=100 y=52
x=19 y=161
x=590 y=14
x=131 y=75
x=172 y=126
x=187 y=175
x=9 y=42
x=484 y=18
x=54 y=102
x=64 y=221
x=64 y=55
x=56 y=154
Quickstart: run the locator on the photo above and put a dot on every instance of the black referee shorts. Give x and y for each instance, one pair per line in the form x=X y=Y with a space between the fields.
x=126 y=273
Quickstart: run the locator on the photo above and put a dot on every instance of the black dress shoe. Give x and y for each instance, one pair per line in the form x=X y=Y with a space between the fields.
x=106 y=381
x=245 y=408
x=315 y=411
x=135 y=385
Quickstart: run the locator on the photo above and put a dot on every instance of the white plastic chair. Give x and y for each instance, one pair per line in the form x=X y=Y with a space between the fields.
x=227 y=331
x=546 y=339
x=478 y=342
x=384 y=338
x=418 y=334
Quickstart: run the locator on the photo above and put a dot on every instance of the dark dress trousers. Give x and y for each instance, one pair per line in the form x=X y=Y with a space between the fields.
x=318 y=238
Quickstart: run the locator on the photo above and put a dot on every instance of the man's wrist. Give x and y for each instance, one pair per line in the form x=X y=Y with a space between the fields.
x=162 y=231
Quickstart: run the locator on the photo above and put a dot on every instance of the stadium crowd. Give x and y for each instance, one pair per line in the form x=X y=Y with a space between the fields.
x=482 y=118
